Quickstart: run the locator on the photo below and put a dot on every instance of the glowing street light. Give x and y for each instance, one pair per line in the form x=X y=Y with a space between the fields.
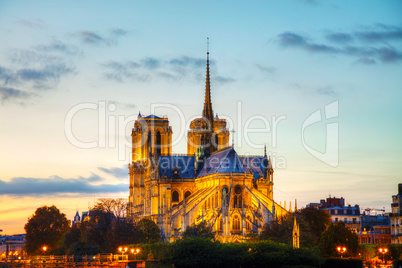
x=341 y=250
x=135 y=252
x=44 y=248
x=383 y=251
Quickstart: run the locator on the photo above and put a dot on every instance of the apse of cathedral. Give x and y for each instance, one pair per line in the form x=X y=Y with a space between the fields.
x=232 y=193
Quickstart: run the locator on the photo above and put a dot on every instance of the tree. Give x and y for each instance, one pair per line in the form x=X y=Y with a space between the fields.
x=117 y=207
x=312 y=223
x=46 y=227
x=200 y=230
x=149 y=231
x=338 y=235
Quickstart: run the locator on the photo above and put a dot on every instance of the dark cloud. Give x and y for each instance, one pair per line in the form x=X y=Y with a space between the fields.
x=59 y=46
x=118 y=32
x=367 y=52
x=366 y=61
x=328 y=90
x=92 y=38
x=33 y=23
x=266 y=69
x=34 y=71
x=222 y=80
x=55 y=185
x=288 y=39
x=116 y=172
x=13 y=94
x=44 y=78
x=149 y=67
x=189 y=62
x=151 y=63
x=341 y=38
x=384 y=34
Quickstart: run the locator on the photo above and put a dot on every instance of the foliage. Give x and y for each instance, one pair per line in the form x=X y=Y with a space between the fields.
x=199 y=230
x=199 y=252
x=312 y=223
x=149 y=231
x=46 y=227
x=338 y=235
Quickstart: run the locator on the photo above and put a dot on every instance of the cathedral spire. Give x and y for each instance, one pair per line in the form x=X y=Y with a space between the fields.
x=207 y=113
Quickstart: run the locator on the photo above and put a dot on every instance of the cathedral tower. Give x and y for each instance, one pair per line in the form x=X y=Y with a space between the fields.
x=207 y=134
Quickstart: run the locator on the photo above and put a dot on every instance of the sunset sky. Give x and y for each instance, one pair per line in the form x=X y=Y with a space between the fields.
x=75 y=74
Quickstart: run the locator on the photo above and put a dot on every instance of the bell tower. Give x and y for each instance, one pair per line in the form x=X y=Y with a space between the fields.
x=151 y=138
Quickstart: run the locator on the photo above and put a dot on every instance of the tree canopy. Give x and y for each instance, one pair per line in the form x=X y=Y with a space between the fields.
x=46 y=227
x=312 y=223
x=338 y=235
x=199 y=230
x=149 y=231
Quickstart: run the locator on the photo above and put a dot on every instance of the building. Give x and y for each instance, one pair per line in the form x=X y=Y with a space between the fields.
x=396 y=217
x=211 y=183
x=339 y=212
x=379 y=234
x=11 y=246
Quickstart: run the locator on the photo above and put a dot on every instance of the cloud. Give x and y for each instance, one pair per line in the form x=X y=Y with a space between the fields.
x=326 y=91
x=33 y=23
x=13 y=94
x=33 y=71
x=341 y=38
x=121 y=173
x=366 y=52
x=22 y=186
x=58 y=46
x=148 y=68
x=95 y=39
x=266 y=69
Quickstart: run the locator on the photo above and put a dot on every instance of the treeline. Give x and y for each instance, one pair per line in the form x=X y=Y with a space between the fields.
x=101 y=232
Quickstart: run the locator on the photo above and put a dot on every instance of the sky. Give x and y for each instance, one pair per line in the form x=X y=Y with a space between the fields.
x=318 y=82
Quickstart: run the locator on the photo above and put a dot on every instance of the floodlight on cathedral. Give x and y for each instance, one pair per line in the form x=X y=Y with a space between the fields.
x=233 y=194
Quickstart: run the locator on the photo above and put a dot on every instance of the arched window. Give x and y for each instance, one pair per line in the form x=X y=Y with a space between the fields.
x=216 y=199
x=220 y=224
x=149 y=141
x=236 y=223
x=216 y=140
x=175 y=196
x=187 y=194
x=158 y=143
x=248 y=223
x=237 y=196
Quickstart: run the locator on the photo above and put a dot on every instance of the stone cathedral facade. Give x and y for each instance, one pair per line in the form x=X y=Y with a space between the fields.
x=232 y=193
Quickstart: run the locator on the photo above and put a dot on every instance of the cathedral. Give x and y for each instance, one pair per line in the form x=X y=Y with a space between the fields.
x=231 y=193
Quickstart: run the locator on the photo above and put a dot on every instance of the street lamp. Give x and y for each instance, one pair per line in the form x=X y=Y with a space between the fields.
x=383 y=251
x=44 y=248
x=341 y=250
x=135 y=252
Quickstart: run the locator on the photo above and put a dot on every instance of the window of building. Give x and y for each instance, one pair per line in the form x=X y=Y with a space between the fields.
x=336 y=219
x=236 y=223
x=248 y=223
x=354 y=220
x=158 y=143
x=187 y=194
x=175 y=196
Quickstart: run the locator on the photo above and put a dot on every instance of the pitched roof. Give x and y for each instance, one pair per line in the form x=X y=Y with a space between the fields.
x=183 y=163
x=223 y=161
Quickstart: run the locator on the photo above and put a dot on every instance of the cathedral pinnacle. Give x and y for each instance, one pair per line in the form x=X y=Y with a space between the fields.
x=207 y=113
